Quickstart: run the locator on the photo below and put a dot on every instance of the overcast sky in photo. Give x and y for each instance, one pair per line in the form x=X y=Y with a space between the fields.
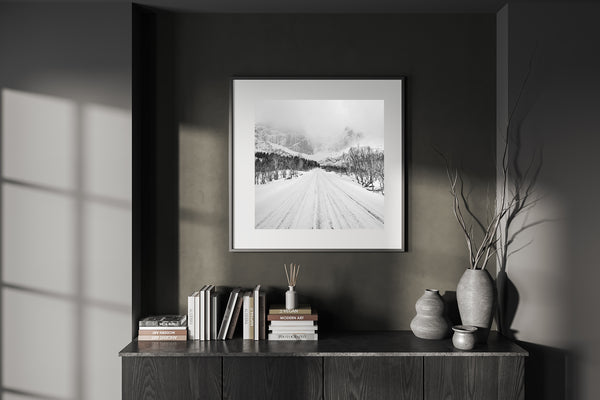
x=323 y=121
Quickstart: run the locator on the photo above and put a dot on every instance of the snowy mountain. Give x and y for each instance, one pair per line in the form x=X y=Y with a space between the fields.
x=349 y=138
x=337 y=159
x=265 y=135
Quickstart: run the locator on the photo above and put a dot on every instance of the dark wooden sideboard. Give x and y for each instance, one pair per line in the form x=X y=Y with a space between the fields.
x=354 y=365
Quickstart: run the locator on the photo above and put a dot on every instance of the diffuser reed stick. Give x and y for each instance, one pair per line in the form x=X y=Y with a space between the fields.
x=292 y=274
x=291 y=297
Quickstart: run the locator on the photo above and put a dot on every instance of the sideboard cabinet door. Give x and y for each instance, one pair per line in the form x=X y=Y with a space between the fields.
x=382 y=378
x=276 y=378
x=474 y=378
x=171 y=378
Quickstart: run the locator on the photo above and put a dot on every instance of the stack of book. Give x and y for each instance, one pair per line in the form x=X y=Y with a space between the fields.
x=163 y=328
x=254 y=313
x=296 y=324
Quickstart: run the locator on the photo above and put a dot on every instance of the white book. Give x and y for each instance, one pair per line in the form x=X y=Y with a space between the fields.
x=161 y=338
x=294 y=329
x=207 y=307
x=292 y=323
x=248 y=315
x=257 y=312
x=293 y=336
x=162 y=328
x=201 y=314
x=191 y=319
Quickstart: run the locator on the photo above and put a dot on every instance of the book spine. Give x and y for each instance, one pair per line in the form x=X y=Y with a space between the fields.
x=207 y=307
x=294 y=328
x=293 y=336
x=262 y=313
x=257 y=313
x=215 y=316
x=296 y=317
x=246 y=316
x=168 y=328
x=191 y=316
x=251 y=318
x=235 y=317
x=166 y=338
x=147 y=332
x=302 y=311
x=292 y=323
x=199 y=327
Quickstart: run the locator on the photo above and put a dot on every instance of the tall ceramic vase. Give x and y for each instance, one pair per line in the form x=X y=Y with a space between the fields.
x=476 y=300
x=430 y=322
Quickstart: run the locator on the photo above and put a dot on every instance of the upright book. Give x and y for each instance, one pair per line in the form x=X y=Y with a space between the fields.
x=200 y=327
x=259 y=313
x=248 y=331
x=191 y=319
x=208 y=308
x=214 y=315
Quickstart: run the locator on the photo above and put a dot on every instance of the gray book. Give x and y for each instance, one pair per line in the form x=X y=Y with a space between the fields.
x=235 y=317
x=164 y=320
x=227 y=316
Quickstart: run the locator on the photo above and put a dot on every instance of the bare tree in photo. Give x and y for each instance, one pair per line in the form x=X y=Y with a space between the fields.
x=366 y=165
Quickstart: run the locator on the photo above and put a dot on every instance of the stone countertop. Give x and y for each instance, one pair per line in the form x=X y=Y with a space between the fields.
x=334 y=344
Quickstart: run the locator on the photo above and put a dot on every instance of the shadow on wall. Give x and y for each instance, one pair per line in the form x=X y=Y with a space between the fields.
x=546 y=373
x=451 y=310
x=66 y=246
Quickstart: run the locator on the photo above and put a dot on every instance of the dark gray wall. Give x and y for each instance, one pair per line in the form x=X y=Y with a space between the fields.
x=449 y=61
x=554 y=277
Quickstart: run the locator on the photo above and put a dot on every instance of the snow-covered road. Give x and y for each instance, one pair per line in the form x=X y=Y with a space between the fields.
x=317 y=200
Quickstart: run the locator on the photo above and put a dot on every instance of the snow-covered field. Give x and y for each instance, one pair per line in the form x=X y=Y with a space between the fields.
x=317 y=200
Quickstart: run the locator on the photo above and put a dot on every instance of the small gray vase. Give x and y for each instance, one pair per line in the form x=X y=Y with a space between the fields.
x=464 y=337
x=430 y=323
x=476 y=300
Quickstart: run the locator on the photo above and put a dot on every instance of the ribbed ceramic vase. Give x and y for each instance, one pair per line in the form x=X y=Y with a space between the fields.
x=476 y=299
x=430 y=322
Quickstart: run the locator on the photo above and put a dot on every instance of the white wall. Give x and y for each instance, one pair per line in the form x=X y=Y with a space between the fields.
x=555 y=275
x=65 y=134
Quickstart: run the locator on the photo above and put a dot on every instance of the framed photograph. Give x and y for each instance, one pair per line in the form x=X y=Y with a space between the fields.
x=317 y=164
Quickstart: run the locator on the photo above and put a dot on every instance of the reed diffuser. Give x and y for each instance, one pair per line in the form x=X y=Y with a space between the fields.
x=291 y=297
